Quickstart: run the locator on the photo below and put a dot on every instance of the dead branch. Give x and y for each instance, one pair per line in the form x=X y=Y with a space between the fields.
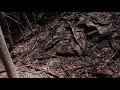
x=19 y=24
x=107 y=61
x=74 y=36
x=77 y=68
x=67 y=72
x=34 y=17
x=92 y=32
x=47 y=72
x=27 y=21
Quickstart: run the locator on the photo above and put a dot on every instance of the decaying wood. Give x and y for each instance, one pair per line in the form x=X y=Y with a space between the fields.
x=6 y=58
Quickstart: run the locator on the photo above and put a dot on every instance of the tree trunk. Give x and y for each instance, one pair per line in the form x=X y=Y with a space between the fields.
x=6 y=30
x=6 y=58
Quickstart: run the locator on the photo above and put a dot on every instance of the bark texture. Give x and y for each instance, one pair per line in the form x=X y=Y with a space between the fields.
x=6 y=58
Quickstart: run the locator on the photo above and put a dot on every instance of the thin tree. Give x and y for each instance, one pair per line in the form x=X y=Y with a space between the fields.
x=6 y=58
x=34 y=17
x=6 y=30
x=27 y=22
x=17 y=17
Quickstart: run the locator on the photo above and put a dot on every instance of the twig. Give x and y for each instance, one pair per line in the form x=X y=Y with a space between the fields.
x=19 y=23
x=81 y=67
x=107 y=61
x=22 y=32
x=37 y=69
x=92 y=32
x=34 y=17
x=20 y=27
x=64 y=69
x=51 y=74
x=73 y=35
x=12 y=15
x=12 y=19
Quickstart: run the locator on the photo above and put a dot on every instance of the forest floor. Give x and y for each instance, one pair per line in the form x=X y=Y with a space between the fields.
x=72 y=45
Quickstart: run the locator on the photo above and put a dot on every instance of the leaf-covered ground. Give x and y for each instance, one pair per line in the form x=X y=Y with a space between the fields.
x=71 y=45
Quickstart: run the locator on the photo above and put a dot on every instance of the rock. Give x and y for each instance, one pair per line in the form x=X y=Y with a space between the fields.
x=78 y=49
x=82 y=20
x=104 y=29
x=54 y=62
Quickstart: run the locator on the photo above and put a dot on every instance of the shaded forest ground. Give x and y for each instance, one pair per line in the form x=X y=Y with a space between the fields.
x=71 y=45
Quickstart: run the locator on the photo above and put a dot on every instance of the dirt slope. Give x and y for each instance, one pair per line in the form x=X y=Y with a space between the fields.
x=72 y=45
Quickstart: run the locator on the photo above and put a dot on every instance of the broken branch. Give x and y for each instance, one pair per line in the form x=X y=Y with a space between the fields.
x=19 y=23
x=74 y=37
x=113 y=55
